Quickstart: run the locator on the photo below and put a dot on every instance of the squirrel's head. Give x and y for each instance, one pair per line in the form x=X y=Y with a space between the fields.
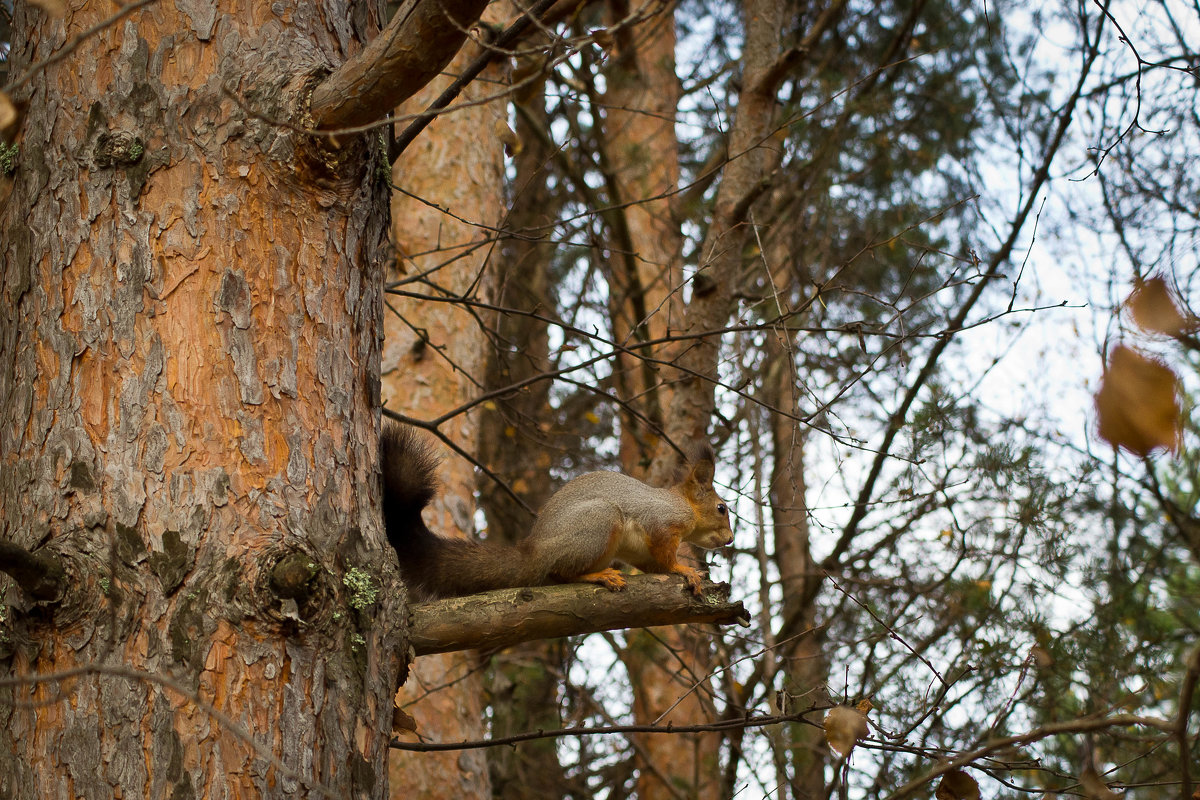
x=712 y=529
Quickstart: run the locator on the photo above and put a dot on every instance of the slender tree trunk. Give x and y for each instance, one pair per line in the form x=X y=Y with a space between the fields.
x=188 y=376
x=645 y=272
x=516 y=431
x=801 y=660
x=645 y=269
x=668 y=671
x=719 y=277
x=515 y=436
x=443 y=213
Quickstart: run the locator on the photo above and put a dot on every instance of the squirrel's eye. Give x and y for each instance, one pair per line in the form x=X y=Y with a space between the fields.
x=721 y=509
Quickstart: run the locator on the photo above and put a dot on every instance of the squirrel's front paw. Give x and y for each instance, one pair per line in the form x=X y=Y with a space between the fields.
x=609 y=578
x=692 y=577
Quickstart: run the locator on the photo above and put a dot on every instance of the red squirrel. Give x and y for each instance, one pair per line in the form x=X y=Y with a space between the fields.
x=592 y=521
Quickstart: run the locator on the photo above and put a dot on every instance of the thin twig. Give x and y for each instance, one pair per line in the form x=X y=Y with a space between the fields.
x=603 y=730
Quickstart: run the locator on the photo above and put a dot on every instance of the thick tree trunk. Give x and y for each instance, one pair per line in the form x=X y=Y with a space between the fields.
x=188 y=388
x=449 y=202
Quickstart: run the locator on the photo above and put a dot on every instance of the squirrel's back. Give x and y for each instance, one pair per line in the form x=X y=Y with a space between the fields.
x=647 y=505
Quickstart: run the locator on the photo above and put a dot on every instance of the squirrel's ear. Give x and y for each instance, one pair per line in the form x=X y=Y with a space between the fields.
x=703 y=466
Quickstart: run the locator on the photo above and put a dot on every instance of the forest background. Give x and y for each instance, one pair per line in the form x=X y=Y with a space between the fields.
x=882 y=255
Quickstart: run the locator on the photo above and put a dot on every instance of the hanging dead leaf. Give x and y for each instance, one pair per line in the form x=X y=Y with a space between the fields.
x=604 y=38
x=8 y=111
x=844 y=726
x=1153 y=308
x=1041 y=657
x=957 y=785
x=508 y=137
x=529 y=78
x=54 y=8
x=402 y=721
x=1094 y=786
x=1138 y=403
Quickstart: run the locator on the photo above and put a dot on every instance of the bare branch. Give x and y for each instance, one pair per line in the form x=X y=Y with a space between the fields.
x=1046 y=731
x=510 y=616
x=733 y=723
x=506 y=38
x=421 y=39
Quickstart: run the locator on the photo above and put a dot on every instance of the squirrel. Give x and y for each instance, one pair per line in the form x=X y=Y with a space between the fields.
x=592 y=521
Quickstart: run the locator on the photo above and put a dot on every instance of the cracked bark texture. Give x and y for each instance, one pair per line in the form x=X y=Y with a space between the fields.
x=190 y=301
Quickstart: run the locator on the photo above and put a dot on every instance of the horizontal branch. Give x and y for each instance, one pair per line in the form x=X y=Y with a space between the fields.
x=40 y=575
x=421 y=39
x=511 y=616
x=1082 y=725
x=733 y=723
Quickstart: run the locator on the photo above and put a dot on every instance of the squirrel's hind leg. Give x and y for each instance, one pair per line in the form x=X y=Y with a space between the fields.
x=586 y=556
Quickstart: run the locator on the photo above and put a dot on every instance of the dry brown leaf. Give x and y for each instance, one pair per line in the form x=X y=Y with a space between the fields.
x=1041 y=656
x=528 y=78
x=8 y=111
x=1138 y=403
x=603 y=37
x=1094 y=786
x=957 y=785
x=508 y=137
x=1153 y=308
x=402 y=721
x=844 y=726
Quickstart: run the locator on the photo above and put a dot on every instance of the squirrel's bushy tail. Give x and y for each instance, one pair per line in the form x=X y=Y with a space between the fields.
x=431 y=565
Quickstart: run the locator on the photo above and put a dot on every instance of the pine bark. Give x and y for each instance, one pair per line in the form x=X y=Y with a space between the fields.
x=188 y=386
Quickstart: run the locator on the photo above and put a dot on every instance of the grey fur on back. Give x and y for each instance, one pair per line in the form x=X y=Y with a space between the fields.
x=637 y=500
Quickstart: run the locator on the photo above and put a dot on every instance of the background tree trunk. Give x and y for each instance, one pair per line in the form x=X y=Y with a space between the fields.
x=188 y=379
x=444 y=212
x=519 y=436
x=644 y=262
x=800 y=659
x=645 y=279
